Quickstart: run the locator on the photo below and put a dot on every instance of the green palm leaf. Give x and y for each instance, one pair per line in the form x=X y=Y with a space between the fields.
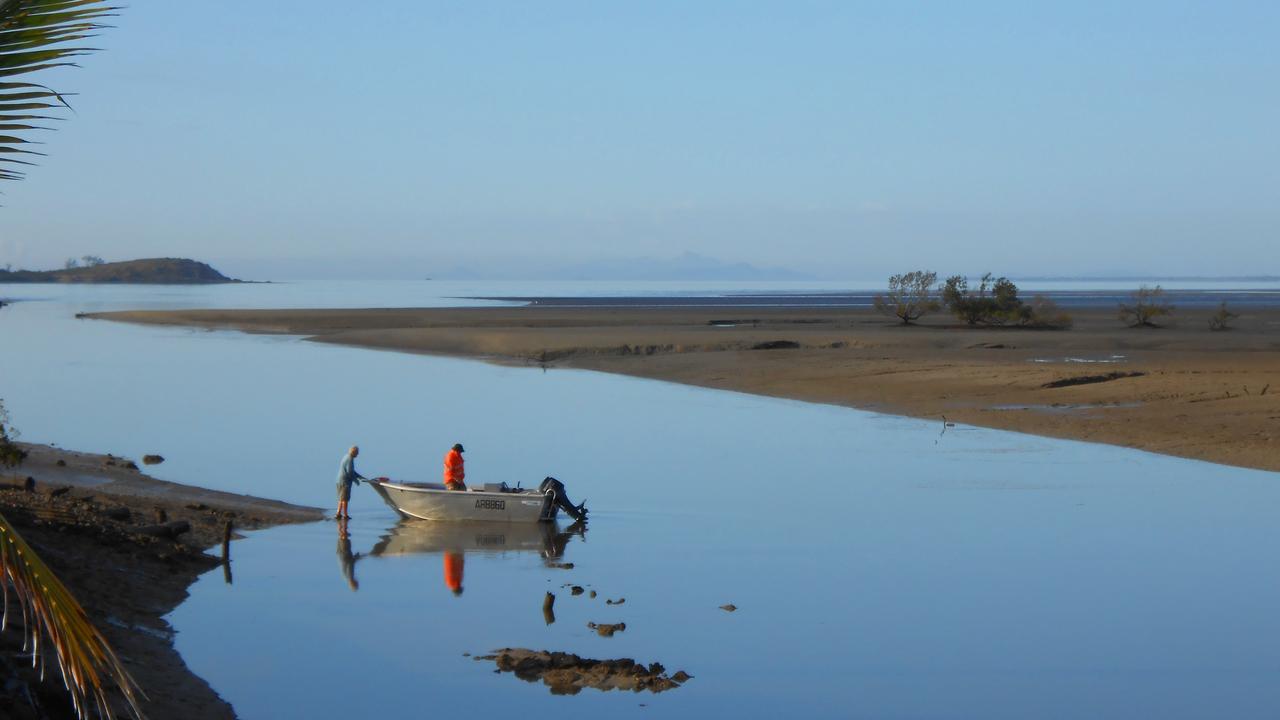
x=37 y=35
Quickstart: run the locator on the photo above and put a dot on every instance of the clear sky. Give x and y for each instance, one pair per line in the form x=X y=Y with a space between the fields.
x=403 y=138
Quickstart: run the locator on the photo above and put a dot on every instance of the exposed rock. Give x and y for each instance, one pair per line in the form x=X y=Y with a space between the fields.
x=576 y=590
x=152 y=459
x=548 y=608
x=776 y=345
x=167 y=530
x=619 y=601
x=729 y=608
x=607 y=629
x=568 y=674
x=117 y=513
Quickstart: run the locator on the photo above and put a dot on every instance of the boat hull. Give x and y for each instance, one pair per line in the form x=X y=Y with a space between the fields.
x=428 y=502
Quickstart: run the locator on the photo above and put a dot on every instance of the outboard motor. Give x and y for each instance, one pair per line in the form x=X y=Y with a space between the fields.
x=561 y=499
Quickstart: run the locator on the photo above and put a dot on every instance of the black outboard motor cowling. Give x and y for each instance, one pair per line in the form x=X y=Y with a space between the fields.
x=561 y=499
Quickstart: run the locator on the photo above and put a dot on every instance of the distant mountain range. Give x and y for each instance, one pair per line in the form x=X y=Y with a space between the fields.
x=152 y=271
x=687 y=266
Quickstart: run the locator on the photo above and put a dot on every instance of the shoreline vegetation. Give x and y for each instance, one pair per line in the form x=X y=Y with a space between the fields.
x=127 y=546
x=1179 y=390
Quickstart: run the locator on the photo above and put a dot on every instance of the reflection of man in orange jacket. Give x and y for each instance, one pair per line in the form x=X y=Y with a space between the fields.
x=453 y=562
x=453 y=472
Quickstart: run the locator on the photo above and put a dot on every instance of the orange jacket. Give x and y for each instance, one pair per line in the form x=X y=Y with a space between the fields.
x=453 y=472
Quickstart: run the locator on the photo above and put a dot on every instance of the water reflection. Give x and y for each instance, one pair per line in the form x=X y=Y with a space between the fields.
x=453 y=567
x=454 y=540
x=347 y=560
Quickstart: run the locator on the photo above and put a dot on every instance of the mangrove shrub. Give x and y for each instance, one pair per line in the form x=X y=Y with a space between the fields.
x=910 y=296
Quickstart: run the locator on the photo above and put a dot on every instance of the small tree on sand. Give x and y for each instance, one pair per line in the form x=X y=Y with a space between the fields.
x=1221 y=318
x=1043 y=313
x=1148 y=306
x=995 y=303
x=910 y=296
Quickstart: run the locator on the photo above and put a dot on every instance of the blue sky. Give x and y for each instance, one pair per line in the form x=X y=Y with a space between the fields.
x=844 y=139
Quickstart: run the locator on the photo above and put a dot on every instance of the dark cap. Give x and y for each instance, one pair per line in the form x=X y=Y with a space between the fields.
x=458 y=447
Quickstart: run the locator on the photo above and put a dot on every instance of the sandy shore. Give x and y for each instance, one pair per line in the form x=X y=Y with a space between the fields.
x=1181 y=390
x=90 y=518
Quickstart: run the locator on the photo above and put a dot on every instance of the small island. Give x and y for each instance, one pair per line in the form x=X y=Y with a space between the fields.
x=151 y=271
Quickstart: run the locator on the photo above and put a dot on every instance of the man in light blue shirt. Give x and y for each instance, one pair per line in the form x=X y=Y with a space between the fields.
x=346 y=475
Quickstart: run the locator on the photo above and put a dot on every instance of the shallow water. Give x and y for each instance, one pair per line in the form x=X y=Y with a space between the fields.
x=881 y=567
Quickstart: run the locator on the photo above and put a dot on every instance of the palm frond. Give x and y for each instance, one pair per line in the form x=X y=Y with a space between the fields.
x=49 y=612
x=37 y=35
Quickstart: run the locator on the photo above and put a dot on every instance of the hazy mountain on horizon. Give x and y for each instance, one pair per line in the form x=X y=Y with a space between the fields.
x=686 y=266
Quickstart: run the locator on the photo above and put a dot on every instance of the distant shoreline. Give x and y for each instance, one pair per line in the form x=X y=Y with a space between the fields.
x=150 y=271
x=1182 y=391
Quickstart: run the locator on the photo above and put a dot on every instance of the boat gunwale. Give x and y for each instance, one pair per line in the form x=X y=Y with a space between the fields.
x=409 y=488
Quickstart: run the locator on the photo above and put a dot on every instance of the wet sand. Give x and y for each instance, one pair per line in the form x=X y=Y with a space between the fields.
x=91 y=520
x=1180 y=390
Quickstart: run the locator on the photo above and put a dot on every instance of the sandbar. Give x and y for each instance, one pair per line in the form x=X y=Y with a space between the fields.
x=1181 y=390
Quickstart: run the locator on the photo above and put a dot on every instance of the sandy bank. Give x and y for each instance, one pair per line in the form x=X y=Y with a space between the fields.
x=91 y=519
x=1185 y=391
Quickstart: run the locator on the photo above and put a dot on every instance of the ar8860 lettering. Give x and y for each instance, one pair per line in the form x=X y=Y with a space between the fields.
x=490 y=504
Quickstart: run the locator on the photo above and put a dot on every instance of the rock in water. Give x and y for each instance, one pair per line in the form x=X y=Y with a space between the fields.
x=568 y=674
x=607 y=629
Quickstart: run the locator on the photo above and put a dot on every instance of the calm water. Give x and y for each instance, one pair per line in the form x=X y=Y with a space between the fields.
x=881 y=568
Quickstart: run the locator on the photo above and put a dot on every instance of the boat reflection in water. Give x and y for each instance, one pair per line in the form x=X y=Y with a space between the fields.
x=453 y=540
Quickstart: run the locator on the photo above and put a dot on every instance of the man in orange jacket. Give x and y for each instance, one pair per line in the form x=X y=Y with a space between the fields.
x=453 y=470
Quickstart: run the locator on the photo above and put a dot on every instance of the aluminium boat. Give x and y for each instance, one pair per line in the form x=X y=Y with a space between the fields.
x=493 y=502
